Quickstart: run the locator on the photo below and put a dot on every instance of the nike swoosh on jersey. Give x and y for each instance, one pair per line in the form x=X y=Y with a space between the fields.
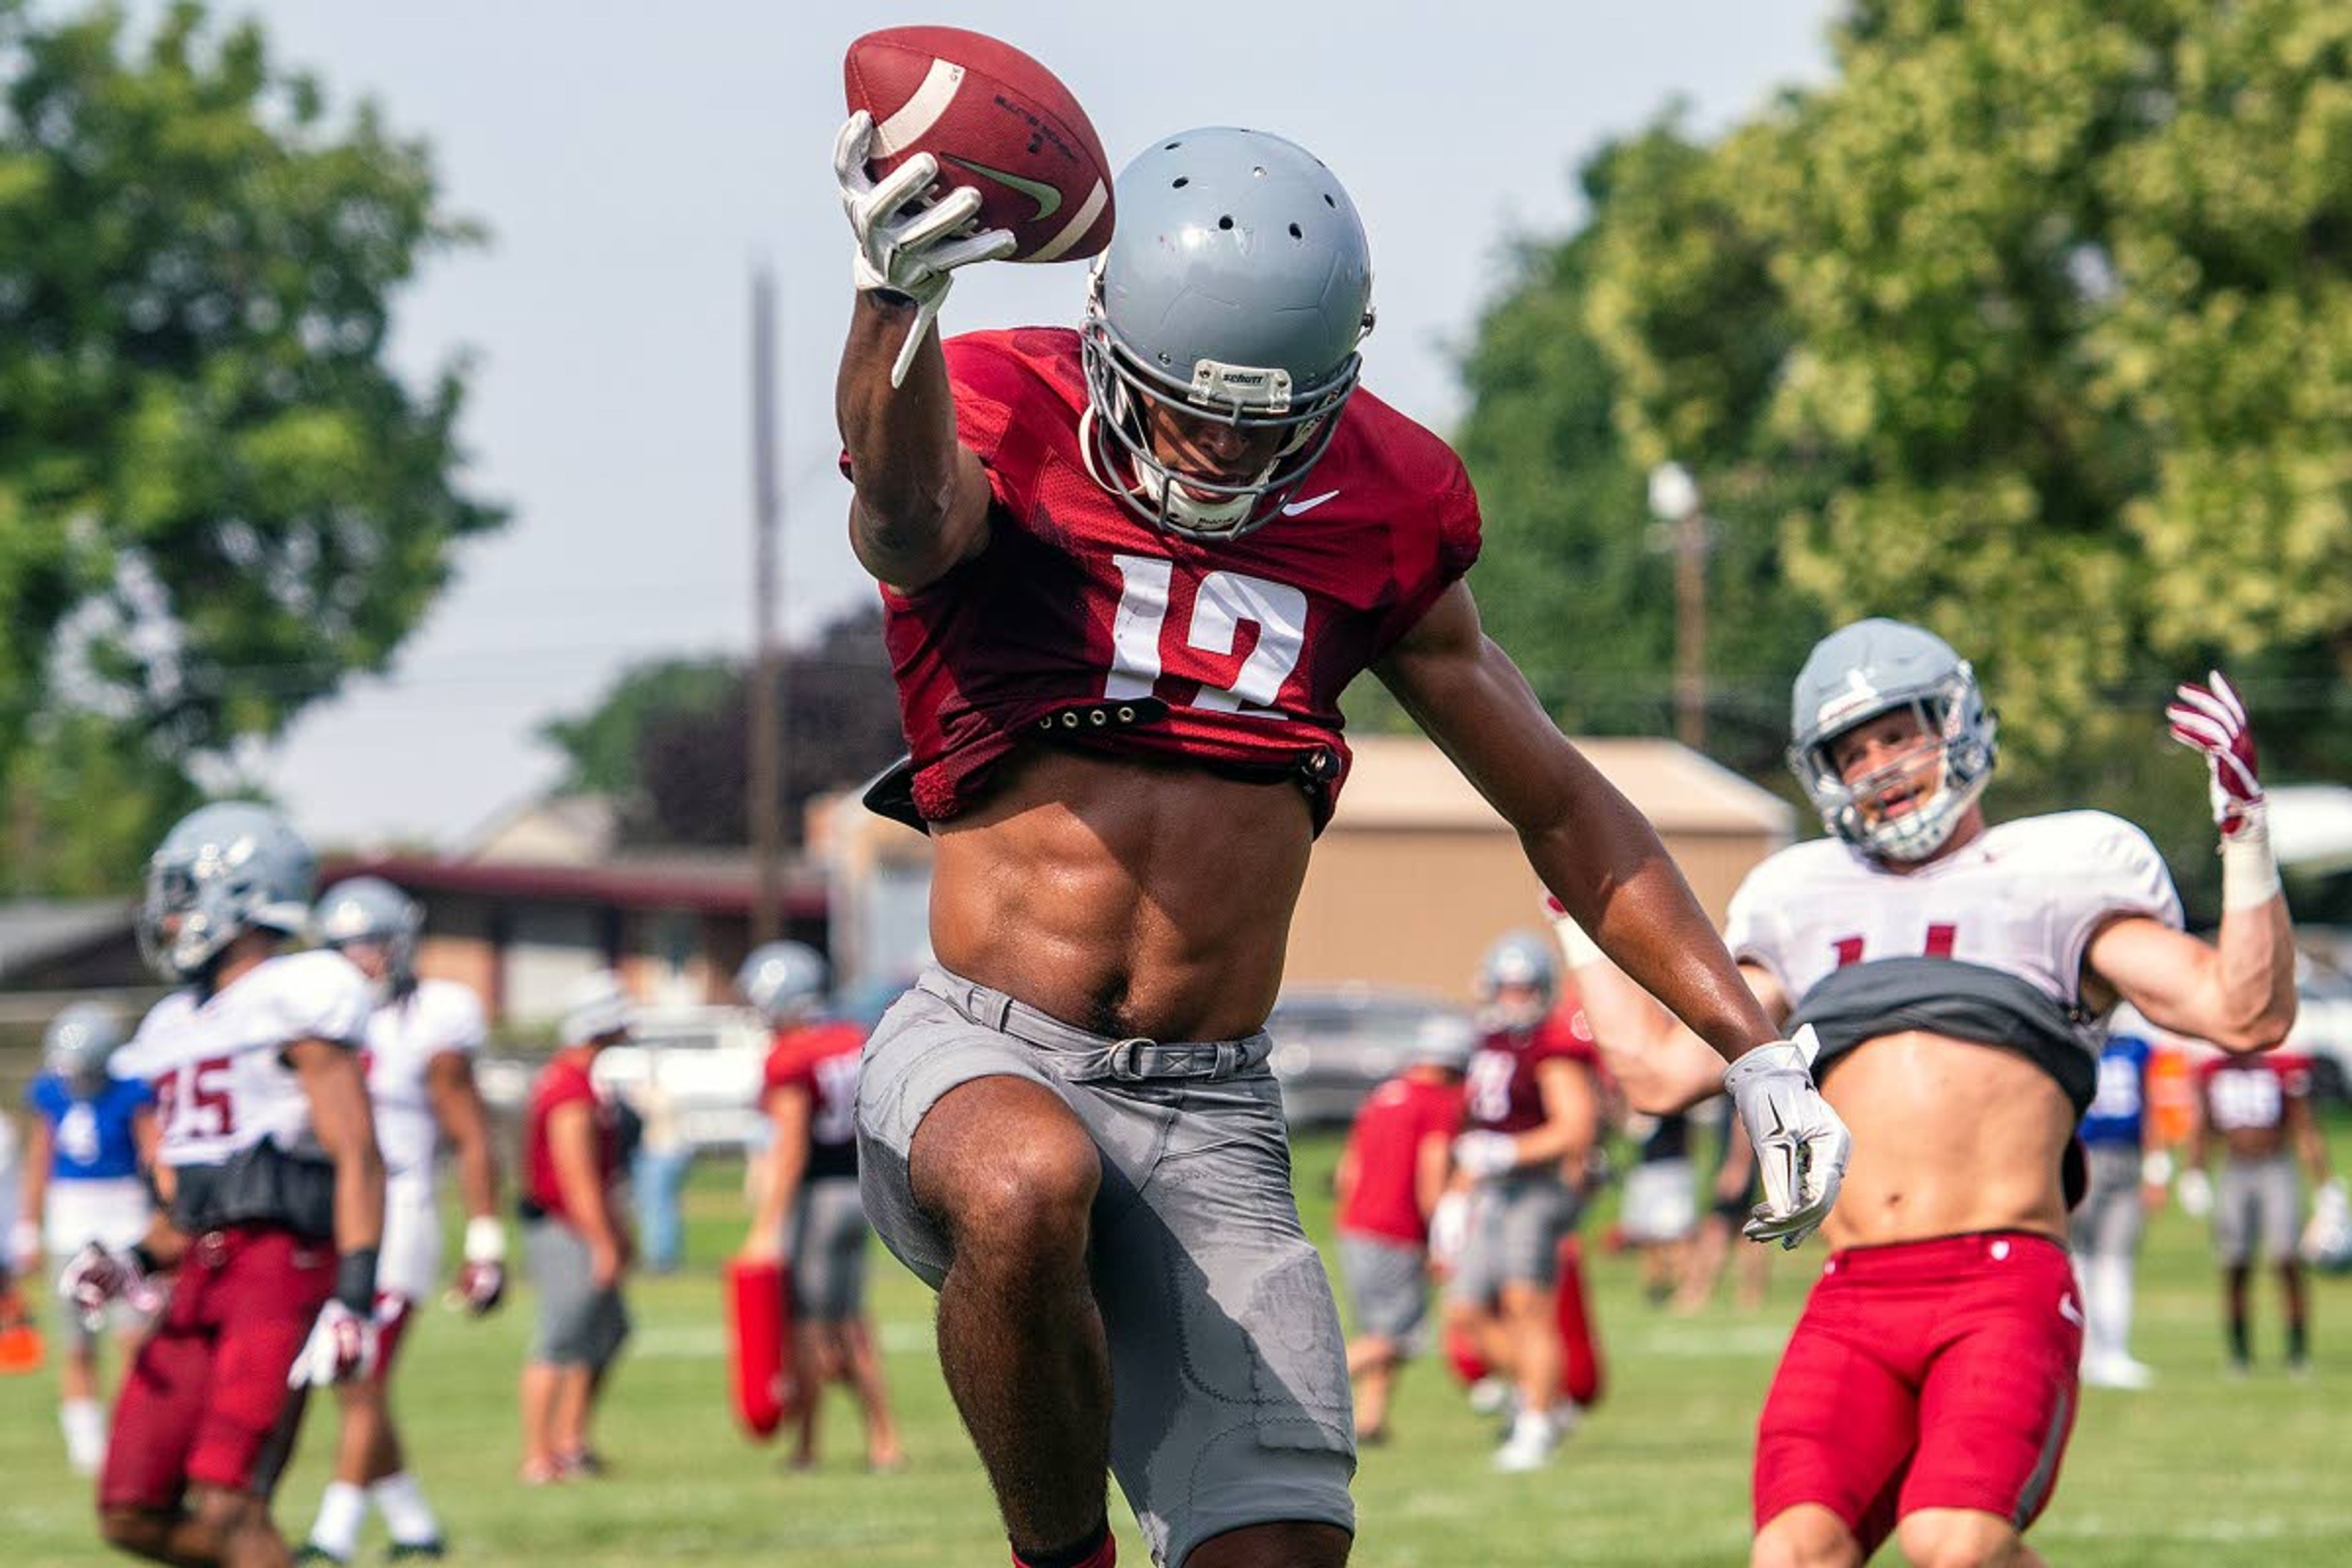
x=1048 y=199
x=1299 y=508
x=2066 y=1309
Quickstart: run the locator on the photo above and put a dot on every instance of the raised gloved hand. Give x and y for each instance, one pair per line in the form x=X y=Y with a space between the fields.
x=911 y=237
x=1801 y=1144
x=482 y=1277
x=2212 y=720
x=341 y=1348
x=96 y=1275
x=1483 y=1155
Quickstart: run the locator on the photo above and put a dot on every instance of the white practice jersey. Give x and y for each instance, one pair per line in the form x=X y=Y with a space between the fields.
x=222 y=1085
x=402 y=1038
x=2025 y=899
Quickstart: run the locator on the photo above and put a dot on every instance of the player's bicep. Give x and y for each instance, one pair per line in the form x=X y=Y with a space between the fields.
x=2165 y=974
x=451 y=1089
x=1569 y=1101
x=911 y=547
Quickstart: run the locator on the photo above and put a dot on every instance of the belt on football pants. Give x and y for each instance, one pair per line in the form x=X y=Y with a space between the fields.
x=1094 y=1056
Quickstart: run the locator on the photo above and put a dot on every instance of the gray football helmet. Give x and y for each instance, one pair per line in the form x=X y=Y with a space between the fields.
x=784 y=979
x=371 y=910
x=1874 y=667
x=1236 y=287
x=78 y=1042
x=1518 y=958
x=223 y=870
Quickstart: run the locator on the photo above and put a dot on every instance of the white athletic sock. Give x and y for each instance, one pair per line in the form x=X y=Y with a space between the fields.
x=2109 y=1302
x=405 y=1510
x=84 y=1424
x=341 y=1511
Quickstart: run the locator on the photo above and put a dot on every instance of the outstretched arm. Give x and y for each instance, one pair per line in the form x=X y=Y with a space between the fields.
x=1597 y=853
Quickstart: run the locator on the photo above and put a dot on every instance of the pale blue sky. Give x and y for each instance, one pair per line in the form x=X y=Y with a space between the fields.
x=632 y=168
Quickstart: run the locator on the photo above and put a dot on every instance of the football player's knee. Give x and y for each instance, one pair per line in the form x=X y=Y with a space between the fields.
x=1805 y=1536
x=133 y=1529
x=1957 y=1538
x=1030 y=1202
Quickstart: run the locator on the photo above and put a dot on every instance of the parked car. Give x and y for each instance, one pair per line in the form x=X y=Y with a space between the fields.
x=705 y=1060
x=1333 y=1044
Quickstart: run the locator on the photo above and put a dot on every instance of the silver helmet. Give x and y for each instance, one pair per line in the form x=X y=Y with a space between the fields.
x=784 y=979
x=1235 y=289
x=1518 y=958
x=371 y=910
x=79 y=1040
x=1869 y=669
x=223 y=870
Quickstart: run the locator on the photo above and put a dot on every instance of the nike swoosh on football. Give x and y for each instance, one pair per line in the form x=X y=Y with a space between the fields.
x=1048 y=199
x=1298 y=507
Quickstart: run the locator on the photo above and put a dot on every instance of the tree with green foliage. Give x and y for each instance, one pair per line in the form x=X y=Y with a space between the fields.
x=217 y=499
x=2033 y=324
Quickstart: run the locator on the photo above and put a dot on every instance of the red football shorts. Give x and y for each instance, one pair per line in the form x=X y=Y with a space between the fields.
x=1926 y=1375
x=206 y=1400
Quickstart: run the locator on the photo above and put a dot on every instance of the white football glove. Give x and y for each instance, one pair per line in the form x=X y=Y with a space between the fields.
x=1801 y=1145
x=342 y=1349
x=1449 y=1230
x=96 y=1275
x=2328 y=1236
x=482 y=1280
x=911 y=237
x=2195 y=1191
x=1483 y=1155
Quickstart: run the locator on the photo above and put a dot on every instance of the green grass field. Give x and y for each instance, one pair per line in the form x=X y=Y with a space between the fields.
x=2199 y=1471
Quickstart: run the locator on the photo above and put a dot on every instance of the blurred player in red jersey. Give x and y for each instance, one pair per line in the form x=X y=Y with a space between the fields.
x=1390 y=1177
x=275 y=1187
x=1531 y=1116
x=1956 y=978
x=2258 y=1110
x=1126 y=573
x=807 y=1211
x=422 y=1038
x=576 y=1247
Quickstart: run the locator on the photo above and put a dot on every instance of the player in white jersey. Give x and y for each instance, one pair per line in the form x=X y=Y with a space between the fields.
x=275 y=1188
x=1956 y=976
x=422 y=1039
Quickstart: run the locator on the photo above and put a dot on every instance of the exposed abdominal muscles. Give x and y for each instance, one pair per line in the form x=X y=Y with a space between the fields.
x=1129 y=897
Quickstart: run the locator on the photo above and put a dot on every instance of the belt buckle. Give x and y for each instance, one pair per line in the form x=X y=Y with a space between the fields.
x=1123 y=1059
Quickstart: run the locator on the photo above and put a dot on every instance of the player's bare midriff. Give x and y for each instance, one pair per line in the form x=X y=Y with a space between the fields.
x=1950 y=1137
x=1132 y=898
x=2250 y=1143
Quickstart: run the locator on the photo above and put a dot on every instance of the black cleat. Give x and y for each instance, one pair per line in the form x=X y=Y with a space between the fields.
x=418 y=1551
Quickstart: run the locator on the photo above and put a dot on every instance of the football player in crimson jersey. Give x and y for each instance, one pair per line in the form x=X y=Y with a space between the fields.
x=1391 y=1178
x=2259 y=1112
x=1956 y=978
x=269 y=1165
x=1531 y=1115
x=1125 y=573
x=422 y=1039
x=807 y=1210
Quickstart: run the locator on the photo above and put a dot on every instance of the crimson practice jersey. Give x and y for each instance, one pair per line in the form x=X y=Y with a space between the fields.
x=1078 y=608
x=820 y=1060
x=2250 y=1094
x=217 y=1063
x=404 y=1036
x=2022 y=902
x=1500 y=1093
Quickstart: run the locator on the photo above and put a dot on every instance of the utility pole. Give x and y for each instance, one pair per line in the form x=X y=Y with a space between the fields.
x=765 y=806
x=1683 y=528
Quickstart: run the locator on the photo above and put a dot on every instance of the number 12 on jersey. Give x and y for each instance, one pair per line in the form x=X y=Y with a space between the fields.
x=1222 y=601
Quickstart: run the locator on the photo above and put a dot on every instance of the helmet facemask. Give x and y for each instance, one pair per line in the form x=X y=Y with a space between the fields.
x=1889 y=812
x=1121 y=385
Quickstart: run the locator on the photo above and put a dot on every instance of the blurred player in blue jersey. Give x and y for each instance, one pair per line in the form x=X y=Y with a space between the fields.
x=2129 y=1169
x=91 y=1135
